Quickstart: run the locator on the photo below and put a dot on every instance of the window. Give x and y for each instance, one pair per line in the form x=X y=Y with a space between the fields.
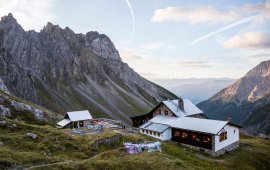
x=195 y=137
x=155 y=133
x=176 y=133
x=159 y=112
x=146 y=131
x=142 y=131
x=184 y=135
x=222 y=136
x=158 y=134
x=150 y=132
x=166 y=112
x=234 y=131
x=206 y=139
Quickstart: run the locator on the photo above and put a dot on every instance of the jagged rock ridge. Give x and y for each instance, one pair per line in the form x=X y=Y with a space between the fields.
x=64 y=71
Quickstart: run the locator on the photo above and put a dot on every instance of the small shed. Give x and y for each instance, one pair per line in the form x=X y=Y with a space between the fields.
x=76 y=119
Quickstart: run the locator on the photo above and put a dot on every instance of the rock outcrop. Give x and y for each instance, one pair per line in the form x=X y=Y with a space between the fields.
x=64 y=71
x=31 y=135
x=3 y=87
x=4 y=111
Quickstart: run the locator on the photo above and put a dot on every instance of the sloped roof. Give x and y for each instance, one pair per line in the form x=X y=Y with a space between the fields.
x=154 y=127
x=79 y=115
x=189 y=107
x=64 y=122
x=191 y=123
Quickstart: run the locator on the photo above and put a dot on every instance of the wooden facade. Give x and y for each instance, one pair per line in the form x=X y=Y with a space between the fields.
x=139 y=120
x=160 y=109
x=192 y=138
x=82 y=123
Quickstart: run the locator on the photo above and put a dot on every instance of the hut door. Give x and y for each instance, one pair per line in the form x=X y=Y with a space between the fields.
x=81 y=124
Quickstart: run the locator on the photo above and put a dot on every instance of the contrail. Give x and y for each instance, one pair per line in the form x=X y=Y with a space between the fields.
x=245 y=20
x=131 y=11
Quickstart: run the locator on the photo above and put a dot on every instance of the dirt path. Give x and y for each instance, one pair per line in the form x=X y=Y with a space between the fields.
x=68 y=161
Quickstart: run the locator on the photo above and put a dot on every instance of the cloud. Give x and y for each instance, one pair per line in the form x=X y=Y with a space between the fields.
x=128 y=55
x=31 y=14
x=195 y=64
x=260 y=8
x=144 y=74
x=257 y=13
x=156 y=46
x=250 y=40
x=260 y=55
x=209 y=14
x=194 y=16
x=227 y=27
x=133 y=17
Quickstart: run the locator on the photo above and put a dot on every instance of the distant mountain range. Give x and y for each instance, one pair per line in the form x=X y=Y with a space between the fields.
x=64 y=71
x=196 y=89
x=241 y=98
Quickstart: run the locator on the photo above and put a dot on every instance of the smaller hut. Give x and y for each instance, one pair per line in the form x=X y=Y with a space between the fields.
x=76 y=119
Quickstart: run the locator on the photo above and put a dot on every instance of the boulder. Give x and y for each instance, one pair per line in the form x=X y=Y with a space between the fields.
x=31 y=135
x=20 y=106
x=24 y=107
x=4 y=111
x=3 y=122
x=2 y=100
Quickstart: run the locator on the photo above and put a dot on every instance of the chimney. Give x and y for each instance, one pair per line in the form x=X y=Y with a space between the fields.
x=229 y=119
x=181 y=103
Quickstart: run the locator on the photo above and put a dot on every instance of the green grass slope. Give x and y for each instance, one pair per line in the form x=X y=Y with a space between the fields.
x=55 y=149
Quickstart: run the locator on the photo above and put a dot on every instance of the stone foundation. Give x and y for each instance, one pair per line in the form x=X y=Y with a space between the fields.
x=226 y=149
x=212 y=152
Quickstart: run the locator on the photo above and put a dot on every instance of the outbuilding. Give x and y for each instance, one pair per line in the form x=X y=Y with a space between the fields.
x=76 y=119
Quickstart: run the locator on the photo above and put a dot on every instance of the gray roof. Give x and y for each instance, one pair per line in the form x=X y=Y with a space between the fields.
x=191 y=123
x=64 y=122
x=189 y=107
x=154 y=127
x=79 y=115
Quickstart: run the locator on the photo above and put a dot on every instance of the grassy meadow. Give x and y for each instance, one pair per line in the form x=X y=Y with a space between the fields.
x=55 y=149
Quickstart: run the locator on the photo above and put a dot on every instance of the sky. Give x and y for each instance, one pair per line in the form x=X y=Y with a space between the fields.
x=164 y=39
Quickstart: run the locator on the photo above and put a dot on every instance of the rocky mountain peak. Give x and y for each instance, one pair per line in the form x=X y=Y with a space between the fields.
x=237 y=100
x=103 y=45
x=10 y=21
x=50 y=27
x=251 y=86
x=65 y=71
x=262 y=70
x=8 y=18
x=9 y=25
